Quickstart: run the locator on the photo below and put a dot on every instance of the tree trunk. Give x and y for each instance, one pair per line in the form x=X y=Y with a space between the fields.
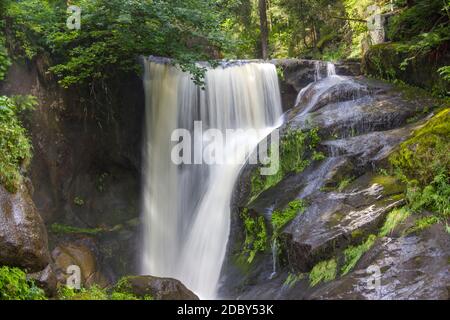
x=264 y=28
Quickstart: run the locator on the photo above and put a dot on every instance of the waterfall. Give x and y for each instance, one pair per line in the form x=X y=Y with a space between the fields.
x=186 y=208
x=331 y=69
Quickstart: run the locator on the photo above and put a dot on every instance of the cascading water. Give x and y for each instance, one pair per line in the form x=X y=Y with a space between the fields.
x=186 y=209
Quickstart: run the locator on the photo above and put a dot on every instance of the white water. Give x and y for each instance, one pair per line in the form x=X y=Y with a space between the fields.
x=186 y=209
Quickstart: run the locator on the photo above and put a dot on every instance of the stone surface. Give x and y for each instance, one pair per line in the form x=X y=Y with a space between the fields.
x=23 y=237
x=415 y=267
x=361 y=123
x=158 y=288
x=46 y=279
x=81 y=253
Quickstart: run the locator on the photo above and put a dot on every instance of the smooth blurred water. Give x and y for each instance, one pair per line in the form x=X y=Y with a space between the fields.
x=186 y=209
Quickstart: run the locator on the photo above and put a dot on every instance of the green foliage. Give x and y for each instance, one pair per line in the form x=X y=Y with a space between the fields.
x=281 y=218
x=423 y=163
x=344 y=183
x=119 y=292
x=122 y=291
x=78 y=201
x=5 y=62
x=114 y=33
x=353 y=254
x=15 y=146
x=63 y=229
x=324 y=271
x=14 y=285
x=295 y=148
x=444 y=72
x=255 y=235
x=292 y=279
x=92 y=293
x=395 y=217
x=423 y=223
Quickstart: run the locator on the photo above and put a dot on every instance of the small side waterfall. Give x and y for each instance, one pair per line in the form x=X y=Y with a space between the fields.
x=186 y=208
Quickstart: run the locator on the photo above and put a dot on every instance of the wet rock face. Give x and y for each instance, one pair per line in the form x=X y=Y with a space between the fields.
x=298 y=73
x=329 y=223
x=86 y=150
x=410 y=268
x=158 y=288
x=23 y=236
x=361 y=122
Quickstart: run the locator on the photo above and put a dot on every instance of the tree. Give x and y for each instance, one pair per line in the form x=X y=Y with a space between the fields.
x=264 y=29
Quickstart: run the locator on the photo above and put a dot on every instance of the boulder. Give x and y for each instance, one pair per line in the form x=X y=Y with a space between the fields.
x=157 y=288
x=411 y=268
x=79 y=253
x=23 y=236
x=46 y=279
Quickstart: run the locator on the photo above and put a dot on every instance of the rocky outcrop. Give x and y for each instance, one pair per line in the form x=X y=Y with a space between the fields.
x=413 y=268
x=298 y=73
x=86 y=152
x=156 y=288
x=23 y=236
x=348 y=198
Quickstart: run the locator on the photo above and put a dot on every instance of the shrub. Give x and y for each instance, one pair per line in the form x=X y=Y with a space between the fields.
x=15 y=146
x=14 y=285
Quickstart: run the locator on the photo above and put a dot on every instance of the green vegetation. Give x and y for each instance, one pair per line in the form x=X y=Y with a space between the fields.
x=281 y=218
x=292 y=279
x=395 y=217
x=78 y=201
x=324 y=271
x=423 y=163
x=121 y=291
x=344 y=183
x=255 y=235
x=423 y=223
x=353 y=254
x=113 y=33
x=15 y=146
x=64 y=229
x=295 y=148
x=14 y=285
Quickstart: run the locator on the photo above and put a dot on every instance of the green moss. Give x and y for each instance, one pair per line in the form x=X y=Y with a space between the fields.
x=344 y=183
x=423 y=163
x=423 y=223
x=14 y=285
x=394 y=218
x=93 y=293
x=281 y=218
x=64 y=229
x=295 y=147
x=390 y=184
x=293 y=279
x=353 y=254
x=324 y=271
x=255 y=235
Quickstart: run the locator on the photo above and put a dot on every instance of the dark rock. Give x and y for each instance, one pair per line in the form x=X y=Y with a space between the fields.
x=81 y=253
x=23 y=237
x=86 y=150
x=157 y=288
x=412 y=268
x=46 y=279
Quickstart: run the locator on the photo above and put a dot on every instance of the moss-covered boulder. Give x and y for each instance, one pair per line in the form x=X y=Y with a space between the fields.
x=146 y=287
x=385 y=60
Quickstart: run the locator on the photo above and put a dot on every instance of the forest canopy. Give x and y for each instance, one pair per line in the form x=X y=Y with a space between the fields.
x=114 y=32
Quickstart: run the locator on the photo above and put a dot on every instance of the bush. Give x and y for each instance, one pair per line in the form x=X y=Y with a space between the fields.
x=14 y=285
x=15 y=146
